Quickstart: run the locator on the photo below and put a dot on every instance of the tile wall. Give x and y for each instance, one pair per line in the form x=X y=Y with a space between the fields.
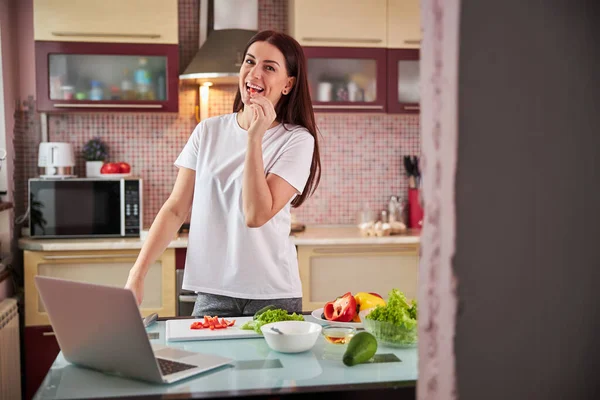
x=361 y=154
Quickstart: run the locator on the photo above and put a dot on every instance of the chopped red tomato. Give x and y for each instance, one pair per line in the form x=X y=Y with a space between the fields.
x=212 y=323
x=196 y=325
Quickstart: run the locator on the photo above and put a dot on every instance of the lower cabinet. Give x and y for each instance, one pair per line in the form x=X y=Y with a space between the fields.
x=41 y=348
x=330 y=271
x=101 y=267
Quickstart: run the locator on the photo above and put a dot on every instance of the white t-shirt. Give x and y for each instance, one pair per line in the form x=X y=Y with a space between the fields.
x=224 y=255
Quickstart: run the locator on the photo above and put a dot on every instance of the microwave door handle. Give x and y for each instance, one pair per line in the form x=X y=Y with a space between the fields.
x=122 y=191
x=51 y=156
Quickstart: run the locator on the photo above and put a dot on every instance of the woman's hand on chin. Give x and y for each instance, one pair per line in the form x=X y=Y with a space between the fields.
x=263 y=114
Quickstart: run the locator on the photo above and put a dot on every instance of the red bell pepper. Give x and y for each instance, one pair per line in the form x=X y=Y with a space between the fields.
x=342 y=309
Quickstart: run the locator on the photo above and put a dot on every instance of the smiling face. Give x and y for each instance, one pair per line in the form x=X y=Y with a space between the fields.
x=264 y=73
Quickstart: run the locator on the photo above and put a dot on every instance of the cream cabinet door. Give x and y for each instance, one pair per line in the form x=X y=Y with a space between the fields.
x=330 y=271
x=109 y=21
x=338 y=23
x=404 y=24
x=109 y=268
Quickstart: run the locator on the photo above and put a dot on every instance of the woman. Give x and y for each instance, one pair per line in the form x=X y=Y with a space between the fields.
x=240 y=174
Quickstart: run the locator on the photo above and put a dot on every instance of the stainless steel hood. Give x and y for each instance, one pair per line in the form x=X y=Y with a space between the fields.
x=221 y=51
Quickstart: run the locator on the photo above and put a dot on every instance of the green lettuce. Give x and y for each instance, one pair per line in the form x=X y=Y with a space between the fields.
x=399 y=312
x=271 y=316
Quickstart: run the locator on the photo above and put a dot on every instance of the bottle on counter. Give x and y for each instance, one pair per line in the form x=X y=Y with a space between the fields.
x=395 y=214
x=394 y=209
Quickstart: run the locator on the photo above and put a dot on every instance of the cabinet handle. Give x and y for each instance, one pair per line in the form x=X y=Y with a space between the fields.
x=91 y=105
x=341 y=40
x=113 y=35
x=89 y=257
x=187 y=298
x=51 y=333
x=412 y=107
x=340 y=107
x=412 y=41
x=369 y=249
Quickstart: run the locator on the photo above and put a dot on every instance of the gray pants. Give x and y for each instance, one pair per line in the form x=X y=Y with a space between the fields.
x=224 y=306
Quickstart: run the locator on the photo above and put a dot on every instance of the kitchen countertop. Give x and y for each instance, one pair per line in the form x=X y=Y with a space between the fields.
x=313 y=235
x=316 y=235
x=257 y=370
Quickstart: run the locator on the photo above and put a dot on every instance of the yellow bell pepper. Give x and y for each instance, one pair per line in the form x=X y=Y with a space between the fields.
x=366 y=300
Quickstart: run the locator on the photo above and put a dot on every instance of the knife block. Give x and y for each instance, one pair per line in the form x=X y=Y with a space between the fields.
x=415 y=211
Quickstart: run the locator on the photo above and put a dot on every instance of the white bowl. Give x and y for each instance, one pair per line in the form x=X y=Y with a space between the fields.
x=298 y=336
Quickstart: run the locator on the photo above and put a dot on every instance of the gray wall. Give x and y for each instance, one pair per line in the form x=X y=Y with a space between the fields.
x=528 y=200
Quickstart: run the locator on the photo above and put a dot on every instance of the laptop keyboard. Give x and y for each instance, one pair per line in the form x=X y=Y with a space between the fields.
x=168 y=367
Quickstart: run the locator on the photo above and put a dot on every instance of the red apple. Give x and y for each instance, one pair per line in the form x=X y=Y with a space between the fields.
x=124 y=168
x=110 y=168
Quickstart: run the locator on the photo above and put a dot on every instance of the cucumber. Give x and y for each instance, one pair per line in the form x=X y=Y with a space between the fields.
x=362 y=348
x=262 y=310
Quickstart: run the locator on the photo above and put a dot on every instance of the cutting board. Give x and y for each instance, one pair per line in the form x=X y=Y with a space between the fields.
x=178 y=330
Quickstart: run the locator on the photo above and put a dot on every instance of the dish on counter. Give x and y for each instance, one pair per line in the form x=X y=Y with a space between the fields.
x=318 y=315
x=394 y=324
x=338 y=334
x=112 y=176
x=344 y=310
x=291 y=336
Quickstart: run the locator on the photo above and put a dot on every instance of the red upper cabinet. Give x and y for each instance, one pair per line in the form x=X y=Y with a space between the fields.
x=403 y=86
x=91 y=76
x=347 y=79
x=111 y=55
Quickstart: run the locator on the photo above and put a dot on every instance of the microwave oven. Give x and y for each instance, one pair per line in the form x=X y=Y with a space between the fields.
x=85 y=207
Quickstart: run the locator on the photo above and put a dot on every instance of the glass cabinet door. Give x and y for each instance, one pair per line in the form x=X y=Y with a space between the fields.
x=404 y=95
x=106 y=76
x=346 y=79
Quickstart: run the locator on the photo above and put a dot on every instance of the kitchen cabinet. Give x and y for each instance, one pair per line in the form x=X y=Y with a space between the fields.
x=78 y=76
x=101 y=267
x=329 y=271
x=108 y=21
x=347 y=79
x=362 y=56
x=403 y=73
x=41 y=349
x=338 y=23
x=403 y=24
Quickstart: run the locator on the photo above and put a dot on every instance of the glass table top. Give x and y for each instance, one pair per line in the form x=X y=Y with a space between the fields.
x=257 y=369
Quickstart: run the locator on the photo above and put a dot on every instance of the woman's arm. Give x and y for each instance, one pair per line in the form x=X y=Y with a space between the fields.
x=166 y=224
x=263 y=197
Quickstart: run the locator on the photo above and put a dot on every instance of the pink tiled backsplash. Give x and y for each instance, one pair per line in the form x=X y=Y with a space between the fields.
x=361 y=154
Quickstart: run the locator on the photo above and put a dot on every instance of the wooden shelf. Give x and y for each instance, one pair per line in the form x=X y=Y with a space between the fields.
x=5 y=206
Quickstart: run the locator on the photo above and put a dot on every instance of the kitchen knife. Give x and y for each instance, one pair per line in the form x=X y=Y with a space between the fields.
x=417 y=170
x=408 y=165
x=150 y=319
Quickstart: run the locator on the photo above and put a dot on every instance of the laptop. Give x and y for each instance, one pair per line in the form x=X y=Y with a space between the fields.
x=100 y=327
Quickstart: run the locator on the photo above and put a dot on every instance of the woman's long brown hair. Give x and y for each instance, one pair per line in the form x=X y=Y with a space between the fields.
x=295 y=107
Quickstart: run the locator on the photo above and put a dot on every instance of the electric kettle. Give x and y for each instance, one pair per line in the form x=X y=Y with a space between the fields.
x=57 y=160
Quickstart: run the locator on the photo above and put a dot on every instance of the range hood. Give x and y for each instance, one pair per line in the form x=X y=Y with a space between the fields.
x=222 y=45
